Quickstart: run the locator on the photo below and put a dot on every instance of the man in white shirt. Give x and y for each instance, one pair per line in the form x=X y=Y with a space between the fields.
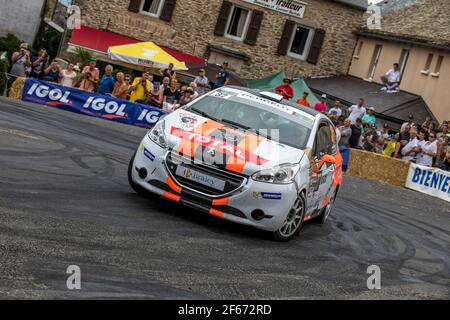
x=391 y=80
x=357 y=111
x=428 y=149
x=410 y=151
x=335 y=113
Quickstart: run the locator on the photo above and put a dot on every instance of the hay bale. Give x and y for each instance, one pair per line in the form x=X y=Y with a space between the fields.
x=17 y=89
x=377 y=167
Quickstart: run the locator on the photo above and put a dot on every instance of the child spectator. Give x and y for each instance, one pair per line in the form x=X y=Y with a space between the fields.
x=303 y=101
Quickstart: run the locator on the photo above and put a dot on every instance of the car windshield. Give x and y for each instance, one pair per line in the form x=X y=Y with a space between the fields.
x=277 y=125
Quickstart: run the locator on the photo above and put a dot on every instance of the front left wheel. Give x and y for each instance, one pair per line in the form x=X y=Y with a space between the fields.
x=293 y=222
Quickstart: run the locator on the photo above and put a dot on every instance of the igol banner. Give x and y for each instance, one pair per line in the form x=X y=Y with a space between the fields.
x=431 y=181
x=92 y=104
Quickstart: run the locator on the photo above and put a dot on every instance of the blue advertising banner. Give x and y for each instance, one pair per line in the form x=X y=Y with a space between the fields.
x=432 y=181
x=89 y=103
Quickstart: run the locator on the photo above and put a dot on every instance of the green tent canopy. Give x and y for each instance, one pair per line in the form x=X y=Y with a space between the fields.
x=271 y=82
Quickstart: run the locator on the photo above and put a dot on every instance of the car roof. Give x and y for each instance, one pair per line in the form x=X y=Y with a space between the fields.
x=257 y=93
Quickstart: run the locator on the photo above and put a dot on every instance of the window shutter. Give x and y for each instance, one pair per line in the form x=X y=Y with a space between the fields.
x=223 y=18
x=167 y=10
x=316 y=46
x=286 y=37
x=134 y=6
x=253 y=29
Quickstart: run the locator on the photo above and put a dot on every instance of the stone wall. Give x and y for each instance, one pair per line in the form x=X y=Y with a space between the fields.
x=20 y=18
x=427 y=19
x=192 y=30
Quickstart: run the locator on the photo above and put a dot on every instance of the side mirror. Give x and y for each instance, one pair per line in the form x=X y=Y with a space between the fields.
x=329 y=159
x=326 y=159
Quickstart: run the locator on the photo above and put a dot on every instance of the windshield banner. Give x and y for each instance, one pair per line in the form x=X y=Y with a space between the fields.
x=89 y=103
x=431 y=181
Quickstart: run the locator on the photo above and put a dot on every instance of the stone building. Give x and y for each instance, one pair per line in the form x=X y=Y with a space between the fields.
x=257 y=37
x=417 y=36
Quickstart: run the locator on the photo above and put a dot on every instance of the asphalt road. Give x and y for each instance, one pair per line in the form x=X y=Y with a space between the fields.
x=65 y=200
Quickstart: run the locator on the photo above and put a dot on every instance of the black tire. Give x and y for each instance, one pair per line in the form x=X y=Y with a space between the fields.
x=284 y=236
x=325 y=213
x=137 y=188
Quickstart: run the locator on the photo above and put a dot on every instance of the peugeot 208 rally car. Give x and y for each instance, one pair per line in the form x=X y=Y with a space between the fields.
x=246 y=156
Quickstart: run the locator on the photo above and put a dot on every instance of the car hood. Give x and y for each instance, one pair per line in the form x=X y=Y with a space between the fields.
x=212 y=142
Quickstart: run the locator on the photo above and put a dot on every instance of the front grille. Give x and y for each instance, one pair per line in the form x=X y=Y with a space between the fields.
x=233 y=182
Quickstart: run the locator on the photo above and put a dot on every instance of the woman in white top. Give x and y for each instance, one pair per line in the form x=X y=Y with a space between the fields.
x=428 y=150
x=68 y=76
x=195 y=94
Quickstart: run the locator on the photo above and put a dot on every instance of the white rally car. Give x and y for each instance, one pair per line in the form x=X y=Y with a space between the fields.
x=245 y=156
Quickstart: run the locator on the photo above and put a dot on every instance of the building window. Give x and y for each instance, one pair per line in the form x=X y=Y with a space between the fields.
x=426 y=70
x=358 y=51
x=300 y=42
x=237 y=23
x=374 y=62
x=437 y=69
x=403 y=61
x=152 y=7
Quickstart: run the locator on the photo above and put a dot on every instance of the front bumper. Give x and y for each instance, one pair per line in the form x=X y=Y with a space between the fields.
x=273 y=202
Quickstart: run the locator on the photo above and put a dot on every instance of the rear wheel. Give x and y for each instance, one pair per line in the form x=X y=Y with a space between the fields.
x=294 y=221
x=137 y=188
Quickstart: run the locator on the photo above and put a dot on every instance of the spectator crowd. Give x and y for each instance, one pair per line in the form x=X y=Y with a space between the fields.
x=426 y=144
x=162 y=90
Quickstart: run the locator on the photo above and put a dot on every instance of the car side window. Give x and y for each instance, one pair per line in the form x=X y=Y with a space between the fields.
x=323 y=144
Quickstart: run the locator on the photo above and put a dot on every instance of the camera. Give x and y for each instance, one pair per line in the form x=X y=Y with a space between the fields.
x=88 y=75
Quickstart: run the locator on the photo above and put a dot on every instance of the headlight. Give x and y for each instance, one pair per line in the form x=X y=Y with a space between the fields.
x=157 y=134
x=281 y=174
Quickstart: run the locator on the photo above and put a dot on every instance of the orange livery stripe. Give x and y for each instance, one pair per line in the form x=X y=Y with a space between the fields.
x=171 y=196
x=221 y=202
x=216 y=213
x=173 y=185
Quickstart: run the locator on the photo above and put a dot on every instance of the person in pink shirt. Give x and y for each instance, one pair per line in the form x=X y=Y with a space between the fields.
x=322 y=105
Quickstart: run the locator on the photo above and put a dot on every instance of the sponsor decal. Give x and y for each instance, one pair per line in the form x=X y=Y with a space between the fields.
x=267 y=195
x=89 y=103
x=188 y=120
x=238 y=154
x=315 y=181
x=200 y=178
x=149 y=155
x=225 y=94
x=291 y=7
x=248 y=96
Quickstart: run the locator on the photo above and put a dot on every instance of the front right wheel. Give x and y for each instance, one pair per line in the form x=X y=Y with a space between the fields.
x=293 y=222
x=325 y=213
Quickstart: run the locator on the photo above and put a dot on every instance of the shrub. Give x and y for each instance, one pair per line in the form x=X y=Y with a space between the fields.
x=10 y=44
x=82 y=56
x=3 y=68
